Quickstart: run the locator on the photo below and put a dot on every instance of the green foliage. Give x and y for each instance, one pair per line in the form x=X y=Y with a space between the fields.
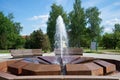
x=93 y=22
x=9 y=32
x=77 y=27
x=108 y=41
x=116 y=28
x=37 y=40
x=118 y=44
x=111 y=40
x=116 y=34
x=51 y=24
x=46 y=43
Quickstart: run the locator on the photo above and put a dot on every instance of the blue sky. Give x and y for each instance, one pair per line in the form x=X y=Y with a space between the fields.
x=33 y=14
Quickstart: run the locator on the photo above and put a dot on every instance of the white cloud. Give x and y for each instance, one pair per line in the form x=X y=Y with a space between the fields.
x=108 y=29
x=42 y=17
x=109 y=24
x=110 y=16
x=42 y=26
x=39 y=22
x=113 y=21
x=110 y=11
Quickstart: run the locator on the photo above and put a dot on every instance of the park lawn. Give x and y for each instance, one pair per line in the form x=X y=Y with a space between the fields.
x=116 y=51
x=4 y=51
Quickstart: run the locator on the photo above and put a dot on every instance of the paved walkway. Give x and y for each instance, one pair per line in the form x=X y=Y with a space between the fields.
x=95 y=55
x=105 y=56
x=8 y=55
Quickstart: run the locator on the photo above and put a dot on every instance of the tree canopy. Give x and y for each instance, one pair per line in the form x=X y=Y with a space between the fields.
x=77 y=24
x=93 y=21
x=51 y=24
x=37 y=40
x=112 y=40
x=10 y=32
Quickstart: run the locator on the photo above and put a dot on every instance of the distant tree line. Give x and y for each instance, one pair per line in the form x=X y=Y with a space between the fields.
x=10 y=37
x=112 y=40
x=83 y=27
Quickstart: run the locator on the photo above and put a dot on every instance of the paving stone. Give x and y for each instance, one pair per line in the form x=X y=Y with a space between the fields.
x=108 y=67
x=41 y=69
x=84 y=69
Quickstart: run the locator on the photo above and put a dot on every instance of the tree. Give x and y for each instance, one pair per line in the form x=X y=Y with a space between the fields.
x=46 y=43
x=116 y=33
x=37 y=40
x=93 y=21
x=116 y=28
x=108 y=41
x=112 y=40
x=77 y=27
x=51 y=24
x=9 y=32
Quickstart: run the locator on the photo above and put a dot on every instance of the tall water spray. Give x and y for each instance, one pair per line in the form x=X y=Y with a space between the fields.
x=61 y=39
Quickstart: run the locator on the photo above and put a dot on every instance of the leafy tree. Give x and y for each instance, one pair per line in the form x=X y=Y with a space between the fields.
x=46 y=43
x=51 y=24
x=118 y=44
x=116 y=34
x=108 y=41
x=93 y=21
x=112 y=40
x=37 y=40
x=28 y=42
x=77 y=27
x=9 y=32
x=116 y=28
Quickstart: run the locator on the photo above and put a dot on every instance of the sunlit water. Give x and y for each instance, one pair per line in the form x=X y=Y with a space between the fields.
x=61 y=39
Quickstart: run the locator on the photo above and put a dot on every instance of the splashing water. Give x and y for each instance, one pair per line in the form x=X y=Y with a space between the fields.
x=61 y=39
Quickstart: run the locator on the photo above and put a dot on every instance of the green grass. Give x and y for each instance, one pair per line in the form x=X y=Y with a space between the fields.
x=100 y=50
x=4 y=51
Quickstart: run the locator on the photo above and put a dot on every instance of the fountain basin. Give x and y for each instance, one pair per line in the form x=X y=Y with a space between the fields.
x=78 y=66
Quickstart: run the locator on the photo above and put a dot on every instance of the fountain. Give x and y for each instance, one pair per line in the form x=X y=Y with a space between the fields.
x=63 y=64
x=61 y=41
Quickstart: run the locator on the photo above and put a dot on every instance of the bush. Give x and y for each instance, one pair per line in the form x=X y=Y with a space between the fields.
x=118 y=44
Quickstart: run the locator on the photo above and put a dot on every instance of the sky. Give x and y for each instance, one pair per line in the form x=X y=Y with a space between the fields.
x=33 y=14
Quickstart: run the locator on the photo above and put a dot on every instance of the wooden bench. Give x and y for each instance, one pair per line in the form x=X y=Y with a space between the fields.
x=19 y=53
x=69 y=51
